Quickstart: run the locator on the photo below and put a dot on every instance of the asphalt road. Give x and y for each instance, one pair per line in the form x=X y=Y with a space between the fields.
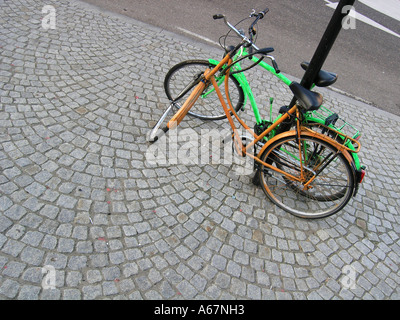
x=366 y=58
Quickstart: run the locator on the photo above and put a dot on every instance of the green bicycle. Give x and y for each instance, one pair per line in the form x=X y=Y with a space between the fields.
x=181 y=78
x=184 y=78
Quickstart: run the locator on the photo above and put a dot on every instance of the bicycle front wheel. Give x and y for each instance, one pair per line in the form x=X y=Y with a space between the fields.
x=328 y=193
x=183 y=77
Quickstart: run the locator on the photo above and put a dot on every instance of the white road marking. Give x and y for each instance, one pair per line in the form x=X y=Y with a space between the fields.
x=364 y=19
x=390 y=8
x=197 y=36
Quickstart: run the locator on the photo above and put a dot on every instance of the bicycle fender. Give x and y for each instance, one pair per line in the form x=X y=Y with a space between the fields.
x=293 y=133
x=277 y=137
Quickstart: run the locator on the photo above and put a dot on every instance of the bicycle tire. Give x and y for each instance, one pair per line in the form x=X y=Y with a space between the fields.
x=186 y=74
x=326 y=195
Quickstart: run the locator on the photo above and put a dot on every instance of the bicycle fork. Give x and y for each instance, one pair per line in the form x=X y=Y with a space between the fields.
x=191 y=100
x=182 y=112
x=153 y=133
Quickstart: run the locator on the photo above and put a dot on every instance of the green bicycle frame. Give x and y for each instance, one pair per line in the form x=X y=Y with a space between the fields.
x=248 y=94
x=241 y=78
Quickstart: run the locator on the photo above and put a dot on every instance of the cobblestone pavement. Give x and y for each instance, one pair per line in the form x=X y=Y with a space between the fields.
x=79 y=201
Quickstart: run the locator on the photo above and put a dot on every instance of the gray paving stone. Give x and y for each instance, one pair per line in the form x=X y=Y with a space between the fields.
x=50 y=294
x=90 y=292
x=32 y=256
x=28 y=292
x=9 y=288
x=16 y=212
x=77 y=262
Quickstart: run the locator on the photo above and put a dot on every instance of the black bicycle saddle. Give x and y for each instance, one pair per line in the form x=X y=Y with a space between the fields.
x=308 y=99
x=324 y=78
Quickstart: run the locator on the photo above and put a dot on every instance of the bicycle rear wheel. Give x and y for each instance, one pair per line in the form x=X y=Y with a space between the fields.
x=183 y=77
x=328 y=193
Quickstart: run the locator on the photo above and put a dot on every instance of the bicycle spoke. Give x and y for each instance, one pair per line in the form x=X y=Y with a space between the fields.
x=186 y=89
x=183 y=77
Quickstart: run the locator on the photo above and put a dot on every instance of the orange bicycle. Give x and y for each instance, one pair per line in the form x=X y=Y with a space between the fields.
x=308 y=171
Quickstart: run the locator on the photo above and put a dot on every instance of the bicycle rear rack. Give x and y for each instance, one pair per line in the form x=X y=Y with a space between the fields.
x=341 y=125
x=337 y=138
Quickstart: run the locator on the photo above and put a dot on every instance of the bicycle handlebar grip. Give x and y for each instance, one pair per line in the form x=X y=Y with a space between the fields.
x=218 y=16
x=263 y=13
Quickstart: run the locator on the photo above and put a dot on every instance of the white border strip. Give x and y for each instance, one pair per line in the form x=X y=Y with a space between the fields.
x=197 y=36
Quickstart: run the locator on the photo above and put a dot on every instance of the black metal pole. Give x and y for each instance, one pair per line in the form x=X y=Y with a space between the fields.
x=325 y=45
x=322 y=52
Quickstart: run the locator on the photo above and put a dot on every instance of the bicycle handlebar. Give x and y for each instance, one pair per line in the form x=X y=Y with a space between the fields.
x=240 y=34
x=258 y=16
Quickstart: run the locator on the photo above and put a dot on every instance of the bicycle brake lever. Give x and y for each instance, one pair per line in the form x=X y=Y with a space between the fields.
x=274 y=64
